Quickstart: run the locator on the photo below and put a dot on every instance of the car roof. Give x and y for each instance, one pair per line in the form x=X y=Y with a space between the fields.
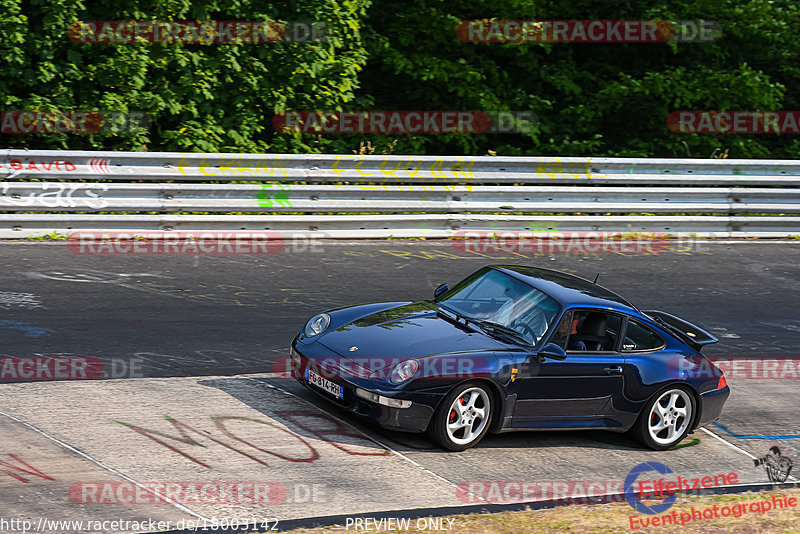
x=568 y=289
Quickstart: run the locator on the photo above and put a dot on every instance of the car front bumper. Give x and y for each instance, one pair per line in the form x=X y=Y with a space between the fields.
x=380 y=404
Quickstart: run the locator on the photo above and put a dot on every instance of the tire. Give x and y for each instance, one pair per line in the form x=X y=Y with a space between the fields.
x=463 y=417
x=666 y=418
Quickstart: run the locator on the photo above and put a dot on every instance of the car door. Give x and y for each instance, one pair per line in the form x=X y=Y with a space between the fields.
x=579 y=391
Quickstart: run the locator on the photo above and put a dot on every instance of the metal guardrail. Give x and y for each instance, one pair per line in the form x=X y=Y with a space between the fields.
x=379 y=196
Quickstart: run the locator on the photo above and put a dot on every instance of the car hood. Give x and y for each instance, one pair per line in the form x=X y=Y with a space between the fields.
x=409 y=331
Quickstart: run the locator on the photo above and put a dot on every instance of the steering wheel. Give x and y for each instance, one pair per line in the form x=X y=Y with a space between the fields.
x=527 y=330
x=538 y=321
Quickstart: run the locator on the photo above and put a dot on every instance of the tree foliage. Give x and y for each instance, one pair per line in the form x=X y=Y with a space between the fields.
x=591 y=99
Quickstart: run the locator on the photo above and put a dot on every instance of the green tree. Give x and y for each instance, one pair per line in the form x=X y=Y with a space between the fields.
x=201 y=97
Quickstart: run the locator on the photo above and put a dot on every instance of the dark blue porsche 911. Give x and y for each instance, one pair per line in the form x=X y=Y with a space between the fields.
x=513 y=348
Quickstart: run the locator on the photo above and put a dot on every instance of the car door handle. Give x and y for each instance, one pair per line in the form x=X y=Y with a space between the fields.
x=613 y=370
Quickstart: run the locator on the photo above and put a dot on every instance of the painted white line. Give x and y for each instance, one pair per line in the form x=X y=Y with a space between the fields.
x=729 y=444
x=397 y=453
x=107 y=468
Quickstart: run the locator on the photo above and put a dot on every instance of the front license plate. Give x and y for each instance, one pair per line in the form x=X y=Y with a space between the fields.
x=323 y=383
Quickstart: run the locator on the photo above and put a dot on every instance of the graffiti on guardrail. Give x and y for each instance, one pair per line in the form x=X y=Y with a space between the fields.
x=53 y=195
x=39 y=165
x=319 y=425
x=409 y=168
x=269 y=165
x=274 y=195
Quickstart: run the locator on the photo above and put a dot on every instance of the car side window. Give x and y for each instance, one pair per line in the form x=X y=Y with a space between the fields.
x=639 y=337
x=587 y=331
x=561 y=332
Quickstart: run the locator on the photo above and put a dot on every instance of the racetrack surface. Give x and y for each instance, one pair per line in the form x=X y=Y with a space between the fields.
x=194 y=337
x=216 y=315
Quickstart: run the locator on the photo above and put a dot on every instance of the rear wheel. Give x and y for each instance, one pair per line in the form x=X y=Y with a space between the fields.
x=463 y=417
x=665 y=420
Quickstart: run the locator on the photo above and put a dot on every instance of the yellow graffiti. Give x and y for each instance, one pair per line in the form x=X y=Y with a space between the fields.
x=335 y=167
x=389 y=173
x=203 y=168
x=358 y=168
x=242 y=170
x=182 y=164
x=282 y=167
x=414 y=174
x=437 y=165
x=554 y=167
x=466 y=170
x=258 y=170
x=589 y=170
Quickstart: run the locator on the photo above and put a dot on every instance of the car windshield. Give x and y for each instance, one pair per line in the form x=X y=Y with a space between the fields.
x=497 y=301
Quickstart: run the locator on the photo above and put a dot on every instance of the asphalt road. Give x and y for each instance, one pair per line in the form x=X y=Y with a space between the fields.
x=221 y=315
x=194 y=338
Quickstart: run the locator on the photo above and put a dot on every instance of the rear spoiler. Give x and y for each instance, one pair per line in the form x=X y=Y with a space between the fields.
x=694 y=335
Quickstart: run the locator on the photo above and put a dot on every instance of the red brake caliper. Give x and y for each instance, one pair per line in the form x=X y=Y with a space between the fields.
x=453 y=414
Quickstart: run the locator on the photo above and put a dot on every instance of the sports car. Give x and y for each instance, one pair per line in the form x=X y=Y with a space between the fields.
x=513 y=348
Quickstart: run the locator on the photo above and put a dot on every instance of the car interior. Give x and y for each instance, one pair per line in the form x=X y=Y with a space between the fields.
x=588 y=331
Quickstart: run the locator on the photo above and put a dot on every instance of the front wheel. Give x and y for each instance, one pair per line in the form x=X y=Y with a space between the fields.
x=463 y=417
x=665 y=420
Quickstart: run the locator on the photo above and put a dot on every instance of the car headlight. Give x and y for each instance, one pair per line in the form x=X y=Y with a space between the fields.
x=317 y=324
x=403 y=371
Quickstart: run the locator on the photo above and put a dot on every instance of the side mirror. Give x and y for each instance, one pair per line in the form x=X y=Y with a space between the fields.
x=552 y=351
x=441 y=289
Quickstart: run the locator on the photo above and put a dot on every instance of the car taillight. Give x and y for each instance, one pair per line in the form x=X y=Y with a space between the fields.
x=722 y=382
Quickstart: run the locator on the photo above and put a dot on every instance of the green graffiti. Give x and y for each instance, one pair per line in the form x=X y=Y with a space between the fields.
x=278 y=198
